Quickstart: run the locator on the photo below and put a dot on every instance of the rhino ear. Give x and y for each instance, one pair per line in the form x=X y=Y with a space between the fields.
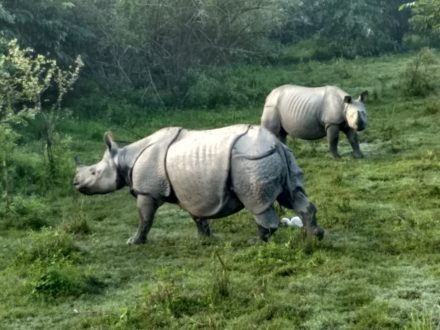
x=111 y=144
x=364 y=96
x=347 y=99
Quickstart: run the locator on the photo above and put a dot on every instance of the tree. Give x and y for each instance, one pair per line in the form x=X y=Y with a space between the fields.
x=425 y=15
x=345 y=27
x=31 y=85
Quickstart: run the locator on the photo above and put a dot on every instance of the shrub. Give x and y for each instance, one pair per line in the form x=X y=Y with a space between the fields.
x=47 y=246
x=77 y=225
x=62 y=279
x=419 y=76
x=25 y=213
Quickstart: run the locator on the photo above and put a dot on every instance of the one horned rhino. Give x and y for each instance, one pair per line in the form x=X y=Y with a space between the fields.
x=312 y=113
x=210 y=174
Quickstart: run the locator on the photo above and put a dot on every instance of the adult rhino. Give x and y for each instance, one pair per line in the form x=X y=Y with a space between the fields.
x=312 y=113
x=210 y=174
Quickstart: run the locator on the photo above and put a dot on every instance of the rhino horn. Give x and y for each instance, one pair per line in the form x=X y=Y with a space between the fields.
x=347 y=99
x=77 y=160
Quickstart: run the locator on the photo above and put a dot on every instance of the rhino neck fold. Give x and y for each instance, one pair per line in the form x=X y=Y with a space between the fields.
x=122 y=170
x=129 y=155
x=126 y=159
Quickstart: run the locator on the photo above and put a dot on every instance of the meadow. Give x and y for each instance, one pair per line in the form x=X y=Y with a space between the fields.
x=66 y=265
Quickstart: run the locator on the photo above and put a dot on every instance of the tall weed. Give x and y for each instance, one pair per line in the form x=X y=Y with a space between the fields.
x=419 y=77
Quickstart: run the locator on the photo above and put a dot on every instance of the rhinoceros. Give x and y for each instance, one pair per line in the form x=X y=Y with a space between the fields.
x=312 y=113
x=209 y=173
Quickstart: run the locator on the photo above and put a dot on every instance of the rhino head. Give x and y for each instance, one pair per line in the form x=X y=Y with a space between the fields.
x=102 y=177
x=355 y=112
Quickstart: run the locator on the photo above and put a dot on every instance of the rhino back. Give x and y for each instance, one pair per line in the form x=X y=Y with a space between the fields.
x=198 y=166
x=305 y=112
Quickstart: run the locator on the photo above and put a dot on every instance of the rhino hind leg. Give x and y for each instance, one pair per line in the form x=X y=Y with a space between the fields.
x=147 y=207
x=202 y=226
x=267 y=223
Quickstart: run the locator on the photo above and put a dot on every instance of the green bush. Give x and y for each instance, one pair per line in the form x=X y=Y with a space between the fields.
x=47 y=246
x=62 y=279
x=419 y=77
x=24 y=213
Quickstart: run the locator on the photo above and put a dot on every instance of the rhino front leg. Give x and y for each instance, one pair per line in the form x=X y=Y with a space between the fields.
x=202 y=226
x=333 y=138
x=147 y=207
x=354 y=142
x=307 y=212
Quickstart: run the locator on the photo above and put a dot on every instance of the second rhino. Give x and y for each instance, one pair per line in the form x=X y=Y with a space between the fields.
x=312 y=113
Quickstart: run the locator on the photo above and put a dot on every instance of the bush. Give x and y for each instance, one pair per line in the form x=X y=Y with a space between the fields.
x=24 y=213
x=48 y=246
x=59 y=280
x=62 y=279
x=419 y=77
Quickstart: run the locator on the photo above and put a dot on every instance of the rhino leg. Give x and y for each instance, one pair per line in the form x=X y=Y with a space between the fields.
x=147 y=207
x=354 y=142
x=267 y=223
x=202 y=226
x=333 y=138
x=307 y=212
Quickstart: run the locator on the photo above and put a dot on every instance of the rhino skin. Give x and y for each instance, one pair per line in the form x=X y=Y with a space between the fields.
x=209 y=173
x=311 y=113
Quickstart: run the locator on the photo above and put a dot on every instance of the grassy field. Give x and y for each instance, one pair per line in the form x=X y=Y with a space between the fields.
x=377 y=267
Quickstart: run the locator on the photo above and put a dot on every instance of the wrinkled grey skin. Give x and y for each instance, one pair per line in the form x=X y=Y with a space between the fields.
x=211 y=174
x=312 y=113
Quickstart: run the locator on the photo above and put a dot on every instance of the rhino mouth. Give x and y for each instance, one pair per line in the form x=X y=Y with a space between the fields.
x=82 y=189
x=360 y=127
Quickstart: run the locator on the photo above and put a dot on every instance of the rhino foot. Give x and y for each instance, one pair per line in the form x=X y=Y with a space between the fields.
x=136 y=240
x=358 y=155
x=335 y=155
x=317 y=232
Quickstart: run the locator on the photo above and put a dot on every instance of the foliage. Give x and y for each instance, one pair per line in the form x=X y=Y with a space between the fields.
x=48 y=26
x=151 y=50
x=344 y=28
x=425 y=15
x=24 y=213
x=31 y=86
x=418 y=79
x=47 y=246
x=424 y=21
x=62 y=279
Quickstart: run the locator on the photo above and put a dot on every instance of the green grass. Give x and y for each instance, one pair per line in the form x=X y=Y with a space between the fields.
x=377 y=268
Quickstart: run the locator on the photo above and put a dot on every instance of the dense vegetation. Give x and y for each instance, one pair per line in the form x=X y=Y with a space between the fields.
x=155 y=53
x=135 y=66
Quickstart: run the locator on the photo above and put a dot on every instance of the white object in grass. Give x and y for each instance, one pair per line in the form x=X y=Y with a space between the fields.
x=294 y=221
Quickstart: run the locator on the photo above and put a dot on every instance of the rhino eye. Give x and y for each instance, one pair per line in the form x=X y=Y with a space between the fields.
x=92 y=171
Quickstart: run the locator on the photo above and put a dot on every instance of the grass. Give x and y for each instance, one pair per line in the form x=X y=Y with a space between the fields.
x=377 y=268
